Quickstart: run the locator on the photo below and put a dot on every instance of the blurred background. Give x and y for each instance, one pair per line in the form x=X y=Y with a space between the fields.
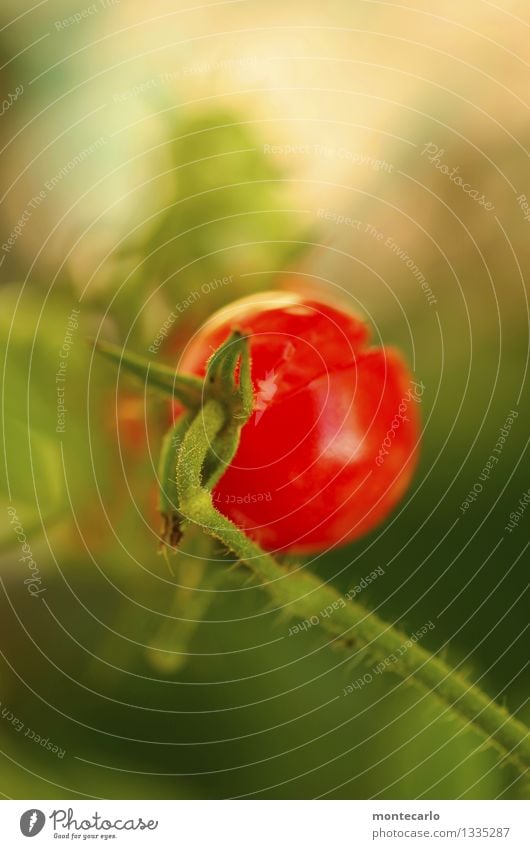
x=370 y=152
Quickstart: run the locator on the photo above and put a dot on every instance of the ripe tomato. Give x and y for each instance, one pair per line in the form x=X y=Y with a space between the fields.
x=331 y=445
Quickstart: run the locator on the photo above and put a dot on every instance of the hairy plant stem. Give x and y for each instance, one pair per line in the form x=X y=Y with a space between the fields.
x=301 y=595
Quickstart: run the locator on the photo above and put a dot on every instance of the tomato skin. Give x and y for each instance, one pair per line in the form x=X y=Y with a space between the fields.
x=331 y=445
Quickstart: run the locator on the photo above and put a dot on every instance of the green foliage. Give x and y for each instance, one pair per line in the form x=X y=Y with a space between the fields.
x=229 y=221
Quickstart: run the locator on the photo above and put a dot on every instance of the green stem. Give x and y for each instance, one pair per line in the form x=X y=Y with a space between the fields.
x=194 y=593
x=303 y=596
x=185 y=388
x=171 y=532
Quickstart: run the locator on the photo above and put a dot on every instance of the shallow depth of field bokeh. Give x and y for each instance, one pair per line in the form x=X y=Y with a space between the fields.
x=157 y=161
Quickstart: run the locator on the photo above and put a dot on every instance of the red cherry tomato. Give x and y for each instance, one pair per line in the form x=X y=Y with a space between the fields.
x=331 y=445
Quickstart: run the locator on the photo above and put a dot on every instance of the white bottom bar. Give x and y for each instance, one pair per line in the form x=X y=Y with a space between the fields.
x=265 y=824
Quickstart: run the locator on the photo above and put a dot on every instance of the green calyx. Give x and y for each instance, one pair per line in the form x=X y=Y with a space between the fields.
x=219 y=405
x=198 y=449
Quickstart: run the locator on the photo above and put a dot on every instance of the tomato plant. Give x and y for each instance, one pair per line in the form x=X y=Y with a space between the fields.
x=284 y=392
x=331 y=445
